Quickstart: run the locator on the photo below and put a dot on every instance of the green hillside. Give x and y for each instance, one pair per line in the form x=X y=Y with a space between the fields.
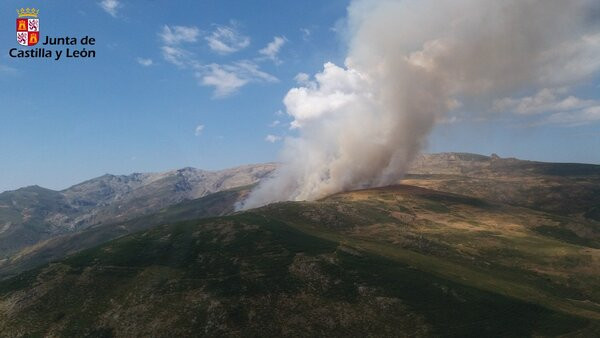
x=382 y=262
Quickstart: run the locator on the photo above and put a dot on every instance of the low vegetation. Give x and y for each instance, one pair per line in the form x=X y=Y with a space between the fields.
x=393 y=261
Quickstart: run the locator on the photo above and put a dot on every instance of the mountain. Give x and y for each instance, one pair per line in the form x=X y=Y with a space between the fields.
x=466 y=245
x=30 y=215
x=59 y=246
x=564 y=188
x=392 y=261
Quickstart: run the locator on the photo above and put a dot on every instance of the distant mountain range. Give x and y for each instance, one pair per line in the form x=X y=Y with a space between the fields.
x=32 y=214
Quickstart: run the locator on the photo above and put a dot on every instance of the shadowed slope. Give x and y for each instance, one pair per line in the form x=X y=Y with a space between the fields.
x=220 y=203
x=389 y=261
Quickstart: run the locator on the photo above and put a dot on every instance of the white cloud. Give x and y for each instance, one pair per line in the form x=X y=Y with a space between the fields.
x=556 y=106
x=227 y=79
x=544 y=101
x=251 y=70
x=199 y=129
x=333 y=90
x=178 y=34
x=302 y=79
x=172 y=38
x=575 y=118
x=305 y=33
x=110 y=6
x=274 y=123
x=572 y=60
x=272 y=138
x=176 y=55
x=272 y=49
x=145 y=62
x=227 y=39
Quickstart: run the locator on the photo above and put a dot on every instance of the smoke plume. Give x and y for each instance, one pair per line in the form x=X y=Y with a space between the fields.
x=409 y=63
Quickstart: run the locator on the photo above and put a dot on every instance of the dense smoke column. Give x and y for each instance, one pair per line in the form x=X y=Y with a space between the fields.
x=409 y=63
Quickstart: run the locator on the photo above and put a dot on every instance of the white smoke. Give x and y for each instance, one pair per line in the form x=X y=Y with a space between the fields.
x=409 y=63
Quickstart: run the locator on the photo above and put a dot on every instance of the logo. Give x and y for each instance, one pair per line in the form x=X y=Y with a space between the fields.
x=28 y=26
x=57 y=48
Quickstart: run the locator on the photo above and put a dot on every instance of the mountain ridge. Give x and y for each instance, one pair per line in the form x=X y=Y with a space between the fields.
x=33 y=213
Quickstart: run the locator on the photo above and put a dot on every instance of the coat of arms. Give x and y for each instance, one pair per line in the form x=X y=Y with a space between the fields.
x=28 y=26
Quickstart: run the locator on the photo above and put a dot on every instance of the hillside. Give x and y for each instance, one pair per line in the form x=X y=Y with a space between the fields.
x=33 y=214
x=59 y=246
x=563 y=188
x=399 y=260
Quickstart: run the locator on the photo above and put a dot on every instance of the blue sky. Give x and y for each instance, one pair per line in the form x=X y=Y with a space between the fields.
x=201 y=83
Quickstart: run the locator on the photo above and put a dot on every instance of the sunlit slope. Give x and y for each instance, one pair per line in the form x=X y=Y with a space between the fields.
x=562 y=188
x=520 y=252
x=390 y=261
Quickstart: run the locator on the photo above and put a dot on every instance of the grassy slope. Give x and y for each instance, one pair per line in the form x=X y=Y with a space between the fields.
x=562 y=188
x=489 y=246
x=378 y=262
